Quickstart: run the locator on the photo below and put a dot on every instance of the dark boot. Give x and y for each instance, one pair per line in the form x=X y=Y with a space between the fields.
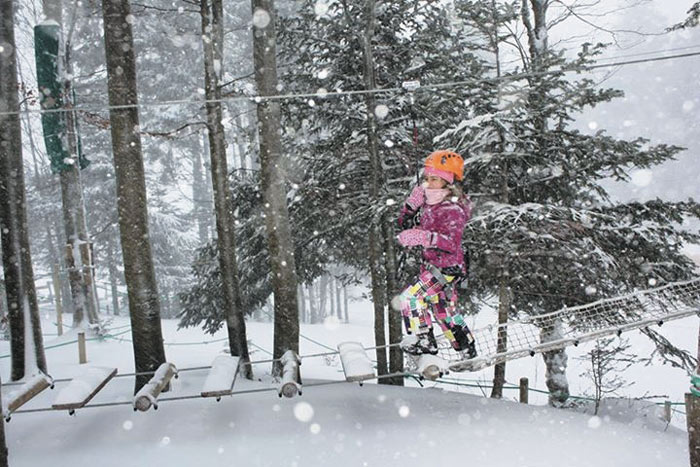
x=419 y=344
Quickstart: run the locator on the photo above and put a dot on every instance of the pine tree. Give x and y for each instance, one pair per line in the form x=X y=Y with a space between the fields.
x=563 y=240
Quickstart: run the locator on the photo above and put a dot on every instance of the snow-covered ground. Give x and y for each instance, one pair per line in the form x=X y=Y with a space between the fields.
x=341 y=422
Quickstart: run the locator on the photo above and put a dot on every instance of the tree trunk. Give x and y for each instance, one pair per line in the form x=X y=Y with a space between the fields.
x=499 y=371
x=273 y=178
x=537 y=38
x=199 y=198
x=69 y=191
x=345 y=304
x=555 y=362
x=302 y=302
x=3 y=443
x=113 y=275
x=331 y=295
x=242 y=134
x=139 y=274
x=61 y=258
x=375 y=233
x=395 y=319
x=60 y=147
x=499 y=375
x=338 y=303
x=313 y=305
x=23 y=309
x=226 y=242
x=76 y=198
x=323 y=297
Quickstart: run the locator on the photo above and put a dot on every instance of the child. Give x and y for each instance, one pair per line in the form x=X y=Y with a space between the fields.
x=433 y=218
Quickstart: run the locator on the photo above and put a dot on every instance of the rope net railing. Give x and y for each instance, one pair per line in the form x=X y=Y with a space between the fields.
x=572 y=325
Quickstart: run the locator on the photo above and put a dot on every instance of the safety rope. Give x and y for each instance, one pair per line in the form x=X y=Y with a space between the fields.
x=360 y=92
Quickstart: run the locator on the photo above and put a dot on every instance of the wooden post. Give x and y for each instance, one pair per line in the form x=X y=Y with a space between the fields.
x=82 y=352
x=524 y=390
x=57 y=293
x=667 y=411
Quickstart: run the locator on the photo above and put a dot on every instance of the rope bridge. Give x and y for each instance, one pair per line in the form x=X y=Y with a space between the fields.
x=572 y=325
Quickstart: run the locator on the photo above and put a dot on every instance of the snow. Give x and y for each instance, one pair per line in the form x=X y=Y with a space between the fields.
x=340 y=422
x=261 y=18
x=346 y=424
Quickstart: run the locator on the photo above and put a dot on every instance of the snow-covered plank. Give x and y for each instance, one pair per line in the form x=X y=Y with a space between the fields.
x=291 y=376
x=24 y=393
x=221 y=377
x=83 y=388
x=148 y=395
x=356 y=364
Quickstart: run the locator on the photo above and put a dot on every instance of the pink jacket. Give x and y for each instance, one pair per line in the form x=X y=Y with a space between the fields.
x=447 y=219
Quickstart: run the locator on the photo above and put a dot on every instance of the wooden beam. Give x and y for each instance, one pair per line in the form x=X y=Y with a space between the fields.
x=291 y=376
x=148 y=395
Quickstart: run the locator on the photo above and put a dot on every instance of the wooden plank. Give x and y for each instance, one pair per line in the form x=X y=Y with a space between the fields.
x=83 y=388
x=25 y=393
x=148 y=395
x=291 y=376
x=432 y=367
x=356 y=364
x=221 y=377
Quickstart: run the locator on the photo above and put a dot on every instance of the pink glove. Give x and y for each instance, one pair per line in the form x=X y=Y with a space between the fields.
x=417 y=197
x=416 y=237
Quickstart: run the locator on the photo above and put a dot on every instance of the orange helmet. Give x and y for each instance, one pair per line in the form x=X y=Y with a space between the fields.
x=445 y=164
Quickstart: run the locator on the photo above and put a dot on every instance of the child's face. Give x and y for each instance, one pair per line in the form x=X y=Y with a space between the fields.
x=433 y=182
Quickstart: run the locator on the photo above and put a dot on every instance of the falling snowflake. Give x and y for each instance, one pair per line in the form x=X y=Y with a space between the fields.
x=261 y=18
x=381 y=111
x=303 y=412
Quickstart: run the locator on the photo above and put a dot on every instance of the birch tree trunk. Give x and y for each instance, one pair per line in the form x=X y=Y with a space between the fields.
x=273 y=178
x=375 y=233
x=26 y=342
x=212 y=26
x=144 y=306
